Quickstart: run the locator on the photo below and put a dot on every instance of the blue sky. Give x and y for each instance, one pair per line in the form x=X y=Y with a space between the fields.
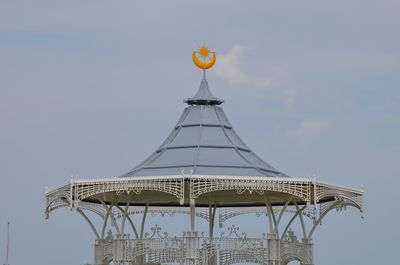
x=90 y=88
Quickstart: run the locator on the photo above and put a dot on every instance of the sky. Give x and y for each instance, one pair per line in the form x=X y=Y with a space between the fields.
x=90 y=88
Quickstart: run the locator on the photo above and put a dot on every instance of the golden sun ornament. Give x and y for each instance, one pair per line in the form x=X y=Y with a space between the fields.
x=204 y=53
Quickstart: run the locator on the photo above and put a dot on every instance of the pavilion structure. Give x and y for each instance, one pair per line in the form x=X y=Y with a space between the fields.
x=204 y=170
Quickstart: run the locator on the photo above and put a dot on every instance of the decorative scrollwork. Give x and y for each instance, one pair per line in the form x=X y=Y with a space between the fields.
x=324 y=190
x=290 y=236
x=84 y=189
x=233 y=233
x=155 y=231
x=194 y=247
x=164 y=211
x=299 y=188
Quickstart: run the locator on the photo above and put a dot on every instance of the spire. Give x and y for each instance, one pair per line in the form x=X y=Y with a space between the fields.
x=204 y=142
x=204 y=95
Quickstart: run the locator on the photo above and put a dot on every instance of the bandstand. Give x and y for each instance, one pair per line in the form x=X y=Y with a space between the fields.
x=203 y=170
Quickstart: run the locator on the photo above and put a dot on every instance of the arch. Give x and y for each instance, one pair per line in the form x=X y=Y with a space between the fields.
x=110 y=214
x=165 y=210
x=292 y=262
x=357 y=200
x=287 y=258
x=107 y=259
x=56 y=203
x=296 y=188
x=229 y=213
x=89 y=222
x=248 y=263
x=93 y=207
x=291 y=221
x=175 y=187
x=271 y=218
x=332 y=207
x=127 y=217
x=303 y=226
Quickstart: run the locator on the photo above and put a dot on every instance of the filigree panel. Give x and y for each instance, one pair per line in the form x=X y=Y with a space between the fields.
x=324 y=190
x=300 y=189
x=85 y=189
x=227 y=213
x=57 y=198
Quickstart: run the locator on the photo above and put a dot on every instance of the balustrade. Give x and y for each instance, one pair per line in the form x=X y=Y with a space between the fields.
x=195 y=248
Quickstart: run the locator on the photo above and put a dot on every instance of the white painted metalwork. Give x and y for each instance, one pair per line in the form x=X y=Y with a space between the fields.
x=298 y=198
x=202 y=167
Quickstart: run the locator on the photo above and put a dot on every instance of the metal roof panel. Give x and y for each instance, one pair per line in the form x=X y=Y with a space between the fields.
x=204 y=141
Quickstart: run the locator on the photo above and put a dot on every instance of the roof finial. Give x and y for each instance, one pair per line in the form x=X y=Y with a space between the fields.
x=204 y=96
x=205 y=53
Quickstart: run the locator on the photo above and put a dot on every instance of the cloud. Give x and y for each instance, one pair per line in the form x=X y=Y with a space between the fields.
x=289 y=96
x=229 y=69
x=309 y=131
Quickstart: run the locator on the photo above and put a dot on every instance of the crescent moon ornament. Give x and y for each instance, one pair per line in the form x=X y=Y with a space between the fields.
x=204 y=53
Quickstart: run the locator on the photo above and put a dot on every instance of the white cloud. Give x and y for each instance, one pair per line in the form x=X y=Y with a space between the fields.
x=289 y=97
x=309 y=131
x=228 y=68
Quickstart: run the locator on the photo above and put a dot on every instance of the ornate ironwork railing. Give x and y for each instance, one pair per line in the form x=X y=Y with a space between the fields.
x=228 y=250
x=232 y=247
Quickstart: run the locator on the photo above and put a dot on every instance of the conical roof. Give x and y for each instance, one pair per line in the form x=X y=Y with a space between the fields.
x=203 y=142
x=204 y=95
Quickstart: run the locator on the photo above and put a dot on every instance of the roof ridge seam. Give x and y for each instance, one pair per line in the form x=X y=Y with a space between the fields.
x=192 y=165
x=208 y=165
x=160 y=151
x=205 y=125
x=204 y=146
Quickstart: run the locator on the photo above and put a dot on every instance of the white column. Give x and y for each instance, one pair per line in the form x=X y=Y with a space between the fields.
x=307 y=252
x=274 y=245
x=119 y=250
x=191 y=238
x=212 y=260
x=99 y=255
x=274 y=249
